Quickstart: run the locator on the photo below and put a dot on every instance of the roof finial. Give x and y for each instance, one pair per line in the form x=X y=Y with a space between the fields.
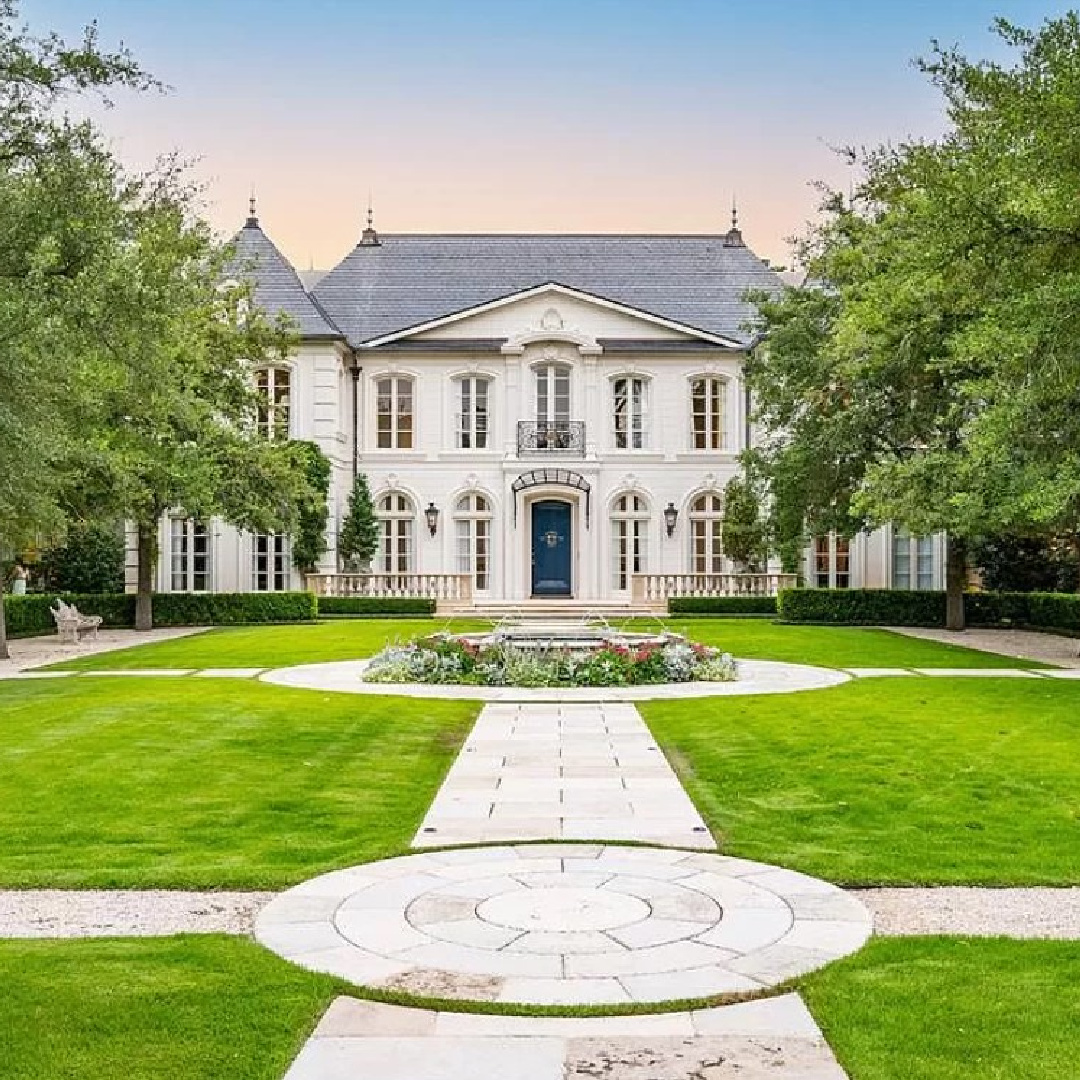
x=252 y=217
x=369 y=237
x=733 y=237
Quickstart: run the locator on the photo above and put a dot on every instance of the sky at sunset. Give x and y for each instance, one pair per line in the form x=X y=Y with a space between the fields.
x=524 y=115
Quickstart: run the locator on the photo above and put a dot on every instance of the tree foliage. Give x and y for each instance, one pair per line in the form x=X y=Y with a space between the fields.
x=929 y=372
x=313 y=511
x=359 y=537
x=744 y=538
x=90 y=560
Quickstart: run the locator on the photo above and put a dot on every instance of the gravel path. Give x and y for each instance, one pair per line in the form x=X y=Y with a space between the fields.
x=1018 y=913
x=1024 y=644
x=61 y=914
x=28 y=653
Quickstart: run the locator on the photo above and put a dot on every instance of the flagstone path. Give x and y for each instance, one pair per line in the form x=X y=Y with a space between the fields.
x=562 y=772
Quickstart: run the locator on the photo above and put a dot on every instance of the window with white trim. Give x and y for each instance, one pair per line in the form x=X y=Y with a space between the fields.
x=707 y=534
x=708 y=405
x=912 y=561
x=274 y=387
x=832 y=561
x=629 y=539
x=472 y=521
x=629 y=408
x=473 y=417
x=189 y=555
x=269 y=562
x=553 y=393
x=394 y=413
x=397 y=523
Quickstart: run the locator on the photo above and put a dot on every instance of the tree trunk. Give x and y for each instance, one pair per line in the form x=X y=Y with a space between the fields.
x=4 y=654
x=147 y=561
x=955 y=580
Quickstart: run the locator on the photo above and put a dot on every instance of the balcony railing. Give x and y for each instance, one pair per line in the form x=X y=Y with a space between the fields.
x=411 y=586
x=565 y=437
x=654 y=588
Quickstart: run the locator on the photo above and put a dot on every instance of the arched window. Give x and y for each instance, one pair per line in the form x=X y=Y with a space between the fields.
x=394 y=413
x=274 y=387
x=473 y=415
x=707 y=534
x=708 y=405
x=629 y=409
x=472 y=518
x=629 y=539
x=397 y=518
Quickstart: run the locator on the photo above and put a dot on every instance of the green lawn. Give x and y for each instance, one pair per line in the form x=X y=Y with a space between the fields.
x=900 y=781
x=346 y=639
x=181 y=1008
x=180 y=783
x=210 y=1007
x=953 y=1009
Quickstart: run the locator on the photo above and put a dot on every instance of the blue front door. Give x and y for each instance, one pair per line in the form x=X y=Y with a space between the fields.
x=551 y=548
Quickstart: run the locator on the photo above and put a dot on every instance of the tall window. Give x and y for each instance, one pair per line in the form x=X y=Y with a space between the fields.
x=707 y=534
x=553 y=393
x=912 y=561
x=189 y=555
x=269 y=562
x=396 y=522
x=629 y=539
x=394 y=413
x=472 y=420
x=708 y=403
x=274 y=386
x=629 y=412
x=472 y=517
x=832 y=562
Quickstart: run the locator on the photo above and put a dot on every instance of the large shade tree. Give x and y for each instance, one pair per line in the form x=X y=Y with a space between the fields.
x=57 y=213
x=929 y=372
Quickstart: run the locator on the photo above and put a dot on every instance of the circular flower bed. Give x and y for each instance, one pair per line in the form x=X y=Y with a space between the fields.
x=446 y=658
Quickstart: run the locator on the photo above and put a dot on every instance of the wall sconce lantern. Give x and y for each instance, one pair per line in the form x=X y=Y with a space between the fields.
x=432 y=515
x=671 y=516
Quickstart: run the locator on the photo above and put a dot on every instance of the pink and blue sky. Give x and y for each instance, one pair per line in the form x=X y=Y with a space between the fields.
x=525 y=115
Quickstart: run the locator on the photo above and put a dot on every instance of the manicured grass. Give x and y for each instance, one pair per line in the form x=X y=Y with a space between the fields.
x=208 y=1007
x=342 y=639
x=269 y=646
x=953 y=1009
x=185 y=1008
x=210 y=783
x=835 y=646
x=901 y=781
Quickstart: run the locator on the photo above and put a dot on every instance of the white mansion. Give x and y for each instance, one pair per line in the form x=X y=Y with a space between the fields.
x=540 y=417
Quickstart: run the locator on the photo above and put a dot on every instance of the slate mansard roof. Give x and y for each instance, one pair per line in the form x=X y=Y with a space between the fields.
x=277 y=287
x=409 y=279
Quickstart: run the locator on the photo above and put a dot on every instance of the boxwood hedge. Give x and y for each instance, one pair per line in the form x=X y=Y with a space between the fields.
x=29 y=615
x=375 y=605
x=722 y=605
x=904 y=607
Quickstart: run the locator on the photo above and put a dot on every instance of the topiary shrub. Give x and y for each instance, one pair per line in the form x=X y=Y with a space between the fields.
x=90 y=561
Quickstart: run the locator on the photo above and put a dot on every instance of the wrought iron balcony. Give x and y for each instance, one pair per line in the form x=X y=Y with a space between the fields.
x=551 y=437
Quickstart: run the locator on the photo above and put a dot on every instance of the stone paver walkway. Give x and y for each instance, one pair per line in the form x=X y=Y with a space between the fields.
x=1023 y=644
x=772 y=1039
x=562 y=772
x=565 y=924
x=28 y=653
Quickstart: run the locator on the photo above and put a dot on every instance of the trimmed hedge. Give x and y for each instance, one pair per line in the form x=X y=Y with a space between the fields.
x=905 y=607
x=29 y=615
x=375 y=605
x=874 y=607
x=722 y=605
